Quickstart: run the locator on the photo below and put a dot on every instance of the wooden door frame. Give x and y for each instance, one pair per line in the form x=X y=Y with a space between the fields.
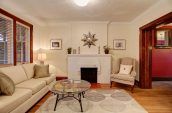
x=147 y=33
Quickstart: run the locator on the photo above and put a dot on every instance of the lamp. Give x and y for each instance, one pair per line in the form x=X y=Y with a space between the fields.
x=42 y=57
x=81 y=3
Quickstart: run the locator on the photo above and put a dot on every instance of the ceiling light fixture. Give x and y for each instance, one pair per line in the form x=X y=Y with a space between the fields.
x=81 y=3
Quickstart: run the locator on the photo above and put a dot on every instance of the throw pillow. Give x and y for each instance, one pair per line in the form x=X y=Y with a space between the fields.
x=125 y=69
x=41 y=71
x=7 y=86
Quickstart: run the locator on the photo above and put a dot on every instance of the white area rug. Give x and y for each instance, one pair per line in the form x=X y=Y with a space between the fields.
x=95 y=101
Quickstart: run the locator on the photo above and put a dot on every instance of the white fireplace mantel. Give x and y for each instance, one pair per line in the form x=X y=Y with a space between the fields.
x=101 y=61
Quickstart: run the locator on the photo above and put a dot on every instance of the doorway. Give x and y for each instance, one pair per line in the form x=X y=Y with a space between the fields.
x=147 y=36
x=162 y=53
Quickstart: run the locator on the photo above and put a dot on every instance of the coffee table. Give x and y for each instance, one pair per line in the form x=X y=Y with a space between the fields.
x=70 y=88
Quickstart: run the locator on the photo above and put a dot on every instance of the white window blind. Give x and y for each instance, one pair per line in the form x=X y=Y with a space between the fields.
x=22 y=43
x=6 y=40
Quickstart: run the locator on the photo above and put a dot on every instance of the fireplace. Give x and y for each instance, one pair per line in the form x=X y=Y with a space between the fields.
x=100 y=61
x=89 y=74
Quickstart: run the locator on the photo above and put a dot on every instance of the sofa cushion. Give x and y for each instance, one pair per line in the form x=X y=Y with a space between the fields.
x=16 y=73
x=7 y=86
x=29 y=70
x=122 y=77
x=49 y=79
x=33 y=84
x=41 y=71
x=9 y=103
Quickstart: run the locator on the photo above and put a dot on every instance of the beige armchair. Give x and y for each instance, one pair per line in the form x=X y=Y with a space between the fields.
x=128 y=79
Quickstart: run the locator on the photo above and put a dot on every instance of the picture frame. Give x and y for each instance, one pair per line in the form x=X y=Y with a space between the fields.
x=119 y=44
x=56 y=44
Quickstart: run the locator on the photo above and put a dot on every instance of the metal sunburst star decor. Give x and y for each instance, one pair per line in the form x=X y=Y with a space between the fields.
x=89 y=39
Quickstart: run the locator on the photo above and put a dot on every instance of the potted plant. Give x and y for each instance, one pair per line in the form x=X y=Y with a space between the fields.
x=69 y=50
x=106 y=49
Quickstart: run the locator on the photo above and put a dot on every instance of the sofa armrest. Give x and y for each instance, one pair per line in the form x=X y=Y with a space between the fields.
x=52 y=69
x=52 y=74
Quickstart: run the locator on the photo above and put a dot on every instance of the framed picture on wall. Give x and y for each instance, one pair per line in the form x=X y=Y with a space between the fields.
x=119 y=44
x=56 y=44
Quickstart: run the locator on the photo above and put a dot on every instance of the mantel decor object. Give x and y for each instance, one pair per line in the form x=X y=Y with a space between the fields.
x=69 y=50
x=89 y=39
x=106 y=49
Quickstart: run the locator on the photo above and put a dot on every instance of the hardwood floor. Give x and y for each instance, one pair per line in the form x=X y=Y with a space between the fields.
x=155 y=100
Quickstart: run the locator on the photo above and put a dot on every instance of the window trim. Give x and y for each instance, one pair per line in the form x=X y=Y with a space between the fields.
x=16 y=20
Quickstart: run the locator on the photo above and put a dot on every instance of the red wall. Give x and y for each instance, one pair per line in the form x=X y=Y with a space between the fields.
x=161 y=62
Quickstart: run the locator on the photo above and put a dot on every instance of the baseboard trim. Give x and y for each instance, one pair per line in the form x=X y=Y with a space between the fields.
x=161 y=78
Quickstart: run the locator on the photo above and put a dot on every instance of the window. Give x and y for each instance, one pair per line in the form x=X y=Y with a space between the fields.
x=6 y=40
x=22 y=43
x=15 y=40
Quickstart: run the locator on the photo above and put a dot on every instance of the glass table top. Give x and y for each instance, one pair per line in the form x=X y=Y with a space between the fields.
x=70 y=86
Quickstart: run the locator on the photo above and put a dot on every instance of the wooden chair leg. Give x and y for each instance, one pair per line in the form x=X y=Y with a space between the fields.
x=132 y=88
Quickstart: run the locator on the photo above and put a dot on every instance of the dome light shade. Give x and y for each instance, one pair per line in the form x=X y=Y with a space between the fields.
x=81 y=3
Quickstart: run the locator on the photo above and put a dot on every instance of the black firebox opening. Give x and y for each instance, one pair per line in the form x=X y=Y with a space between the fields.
x=89 y=74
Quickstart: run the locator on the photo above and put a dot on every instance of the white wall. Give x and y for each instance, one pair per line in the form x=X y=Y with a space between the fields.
x=98 y=28
x=71 y=35
x=120 y=31
x=56 y=57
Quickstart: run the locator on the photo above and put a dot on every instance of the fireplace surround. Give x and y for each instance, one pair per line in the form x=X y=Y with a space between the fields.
x=100 y=61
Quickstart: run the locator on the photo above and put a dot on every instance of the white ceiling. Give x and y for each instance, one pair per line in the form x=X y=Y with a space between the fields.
x=50 y=11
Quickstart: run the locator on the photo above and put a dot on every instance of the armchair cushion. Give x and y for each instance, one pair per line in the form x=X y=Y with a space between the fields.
x=125 y=69
x=122 y=77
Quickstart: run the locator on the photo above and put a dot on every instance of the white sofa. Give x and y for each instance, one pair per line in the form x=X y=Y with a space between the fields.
x=28 y=90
